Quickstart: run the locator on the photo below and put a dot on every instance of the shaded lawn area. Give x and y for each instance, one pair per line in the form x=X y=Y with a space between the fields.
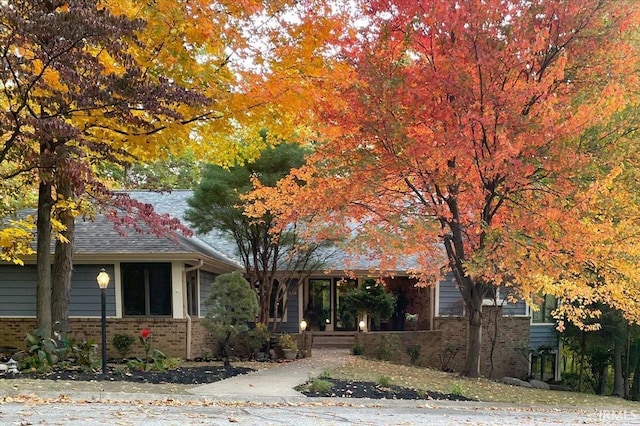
x=430 y=380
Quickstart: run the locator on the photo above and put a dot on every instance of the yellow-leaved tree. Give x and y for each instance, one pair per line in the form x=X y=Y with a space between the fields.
x=88 y=81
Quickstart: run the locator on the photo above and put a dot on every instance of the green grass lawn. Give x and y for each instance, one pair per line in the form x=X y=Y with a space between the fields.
x=481 y=389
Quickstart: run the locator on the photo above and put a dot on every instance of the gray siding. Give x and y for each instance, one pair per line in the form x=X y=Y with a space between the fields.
x=18 y=291
x=206 y=284
x=450 y=300
x=452 y=304
x=85 y=300
x=543 y=335
x=292 y=325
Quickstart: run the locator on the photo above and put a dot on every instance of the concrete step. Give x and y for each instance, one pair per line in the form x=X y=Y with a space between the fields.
x=333 y=340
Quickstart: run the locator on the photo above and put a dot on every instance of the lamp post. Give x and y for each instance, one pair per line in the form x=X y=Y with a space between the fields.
x=303 y=329
x=103 y=283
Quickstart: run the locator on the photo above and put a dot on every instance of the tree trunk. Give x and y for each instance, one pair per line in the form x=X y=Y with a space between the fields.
x=225 y=350
x=618 y=379
x=635 y=386
x=265 y=302
x=627 y=369
x=492 y=334
x=583 y=349
x=62 y=266
x=43 y=249
x=474 y=336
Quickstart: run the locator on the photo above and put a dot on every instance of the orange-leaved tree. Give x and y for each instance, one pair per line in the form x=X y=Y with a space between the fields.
x=459 y=141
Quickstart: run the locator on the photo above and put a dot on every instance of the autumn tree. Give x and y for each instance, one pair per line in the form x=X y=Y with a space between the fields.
x=459 y=140
x=174 y=172
x=85 y=81
x=272 y=258
x=70 y=80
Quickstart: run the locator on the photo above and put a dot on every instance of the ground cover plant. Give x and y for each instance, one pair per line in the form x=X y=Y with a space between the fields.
x=365 y=389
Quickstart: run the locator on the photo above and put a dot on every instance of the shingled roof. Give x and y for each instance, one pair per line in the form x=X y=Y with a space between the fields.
x=175 y=204
x=100 y=236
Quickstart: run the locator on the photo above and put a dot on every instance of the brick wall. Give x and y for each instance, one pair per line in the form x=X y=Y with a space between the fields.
x=513 y=333
x=420 y=304
x=14 y=330
x=397 y=342
x=446 y=346
x=416 y=300
x=167 y=335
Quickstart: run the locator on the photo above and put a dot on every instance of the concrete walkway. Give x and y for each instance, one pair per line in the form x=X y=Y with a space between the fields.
x=277 y=381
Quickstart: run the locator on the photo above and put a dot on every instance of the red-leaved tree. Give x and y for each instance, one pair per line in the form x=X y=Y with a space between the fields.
x=457 y=142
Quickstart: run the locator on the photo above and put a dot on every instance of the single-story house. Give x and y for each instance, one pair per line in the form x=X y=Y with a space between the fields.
x=161 y=283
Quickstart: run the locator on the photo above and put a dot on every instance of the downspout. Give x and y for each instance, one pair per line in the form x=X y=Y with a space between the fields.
x=185 y=306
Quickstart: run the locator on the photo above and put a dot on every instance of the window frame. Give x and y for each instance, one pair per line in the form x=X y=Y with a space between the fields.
x=491 y=301
x=146 y=288
x=542 y=310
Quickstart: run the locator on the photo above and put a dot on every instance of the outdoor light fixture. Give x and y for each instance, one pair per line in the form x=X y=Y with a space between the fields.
x=103 y=279
x=12 y=366
x=103 y=283
x=362 y=325
x=303 y=326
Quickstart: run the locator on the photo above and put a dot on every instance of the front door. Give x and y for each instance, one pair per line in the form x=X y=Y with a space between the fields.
x=319 y=305
x=345 y=320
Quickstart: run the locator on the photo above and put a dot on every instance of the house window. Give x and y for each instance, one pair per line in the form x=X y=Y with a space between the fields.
x=493 y=297
x=543 y=314
x=146 y=289
x=543 y=365
x=345 y=319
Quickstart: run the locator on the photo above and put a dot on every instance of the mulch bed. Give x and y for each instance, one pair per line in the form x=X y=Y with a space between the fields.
x=184 y=376
x=357 y=389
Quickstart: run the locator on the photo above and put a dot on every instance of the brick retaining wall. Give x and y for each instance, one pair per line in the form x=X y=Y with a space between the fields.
x=437 y=347
x=513 y=333
x=394 y=344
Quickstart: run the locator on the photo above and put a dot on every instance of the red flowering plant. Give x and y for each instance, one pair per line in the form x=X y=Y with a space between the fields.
x=153 y=358
x=144 y=339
